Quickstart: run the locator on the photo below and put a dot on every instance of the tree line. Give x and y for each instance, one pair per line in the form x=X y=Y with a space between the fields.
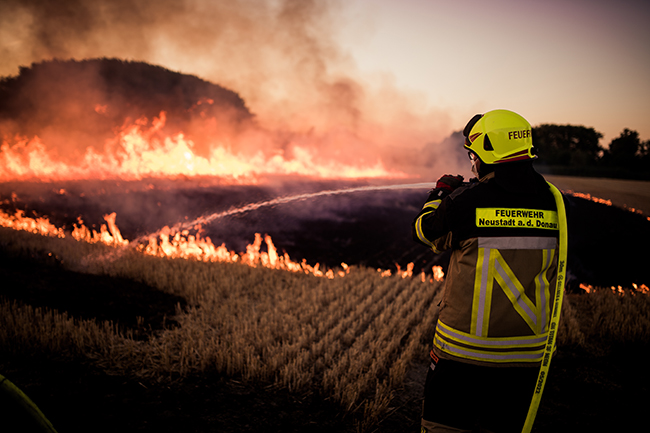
x=576 y=150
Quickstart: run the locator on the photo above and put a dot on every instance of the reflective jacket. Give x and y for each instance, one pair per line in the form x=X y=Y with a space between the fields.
x=500 y=284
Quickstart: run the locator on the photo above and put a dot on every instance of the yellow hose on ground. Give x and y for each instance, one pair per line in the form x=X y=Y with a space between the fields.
x=555 y=316
x=23 y=414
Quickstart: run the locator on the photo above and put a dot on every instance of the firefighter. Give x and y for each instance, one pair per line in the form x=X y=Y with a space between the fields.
x=502 y=230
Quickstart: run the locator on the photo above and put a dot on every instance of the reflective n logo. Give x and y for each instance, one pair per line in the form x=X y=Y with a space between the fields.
x=491 y=266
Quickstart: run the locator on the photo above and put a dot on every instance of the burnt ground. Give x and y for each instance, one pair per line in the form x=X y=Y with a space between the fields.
x=604 y=389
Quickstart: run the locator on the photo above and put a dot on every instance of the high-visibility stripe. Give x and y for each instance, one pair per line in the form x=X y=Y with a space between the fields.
x=518 y=243
x=495 y=350
x=516 y=293
x=418 y=230
x=503 y=357
x=543 y=288
x=432 y=205
x=486 y=342
x=482 y=297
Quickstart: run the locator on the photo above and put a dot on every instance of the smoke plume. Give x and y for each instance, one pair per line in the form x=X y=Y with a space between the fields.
x=279 y=55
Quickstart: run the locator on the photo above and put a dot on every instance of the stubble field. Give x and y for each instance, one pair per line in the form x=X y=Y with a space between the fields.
x=104 y=342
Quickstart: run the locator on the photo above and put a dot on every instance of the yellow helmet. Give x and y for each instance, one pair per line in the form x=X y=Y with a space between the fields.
x=499 y=136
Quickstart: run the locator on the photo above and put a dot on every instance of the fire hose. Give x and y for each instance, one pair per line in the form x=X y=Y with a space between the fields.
x=24 y=415
x=555 y=315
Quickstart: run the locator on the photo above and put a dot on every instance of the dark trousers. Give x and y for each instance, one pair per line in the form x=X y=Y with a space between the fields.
x=472 y=397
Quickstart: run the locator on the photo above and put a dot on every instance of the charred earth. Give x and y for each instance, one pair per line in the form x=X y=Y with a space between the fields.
x=368 y=227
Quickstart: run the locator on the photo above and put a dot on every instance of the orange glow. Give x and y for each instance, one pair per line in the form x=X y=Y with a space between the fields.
x=586 y=287
x=620 y=290
x=138 y=152
x=109 y=235
x=173 y=244
x=641 y=288
x=588 y=196
x=408 y=273
x=438 y=274
x=385 y=273
x=345 y=269
x=186 y=246
x=40 y=225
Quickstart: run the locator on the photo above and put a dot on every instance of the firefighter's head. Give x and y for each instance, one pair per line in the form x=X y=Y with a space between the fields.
x=499 y=136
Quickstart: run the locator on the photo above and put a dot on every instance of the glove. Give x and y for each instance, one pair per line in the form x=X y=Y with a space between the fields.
x=449 y=183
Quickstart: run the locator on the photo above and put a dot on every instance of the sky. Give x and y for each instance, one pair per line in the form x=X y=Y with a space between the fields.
x=425 y=66
x=583 y=62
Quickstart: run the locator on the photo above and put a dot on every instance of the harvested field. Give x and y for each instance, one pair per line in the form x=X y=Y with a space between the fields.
x=149 y=344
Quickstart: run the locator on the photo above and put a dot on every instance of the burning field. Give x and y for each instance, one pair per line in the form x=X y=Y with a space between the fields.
x=171 y=263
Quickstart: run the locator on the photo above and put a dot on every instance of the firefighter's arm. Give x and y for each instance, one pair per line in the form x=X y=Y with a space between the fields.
x=429 y=226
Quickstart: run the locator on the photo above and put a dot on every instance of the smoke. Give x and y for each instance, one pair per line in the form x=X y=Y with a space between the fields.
x=279 y=55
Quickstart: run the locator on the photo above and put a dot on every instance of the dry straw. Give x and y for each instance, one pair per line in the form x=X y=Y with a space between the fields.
x=352 y=339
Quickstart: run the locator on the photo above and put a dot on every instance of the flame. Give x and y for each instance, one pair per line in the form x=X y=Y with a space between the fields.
x=438 y=274
x=187 y=246
x=172 y=243
x=586 y=287
x=638 y=288
x=139 y=152
x=408 y=273
x=40 y=225
x=109 y=235
x=588 y=196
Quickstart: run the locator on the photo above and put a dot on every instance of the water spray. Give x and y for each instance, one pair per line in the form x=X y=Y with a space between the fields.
x=207 y=219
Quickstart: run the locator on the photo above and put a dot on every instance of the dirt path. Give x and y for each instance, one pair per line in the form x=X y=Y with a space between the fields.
x=623 y=193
